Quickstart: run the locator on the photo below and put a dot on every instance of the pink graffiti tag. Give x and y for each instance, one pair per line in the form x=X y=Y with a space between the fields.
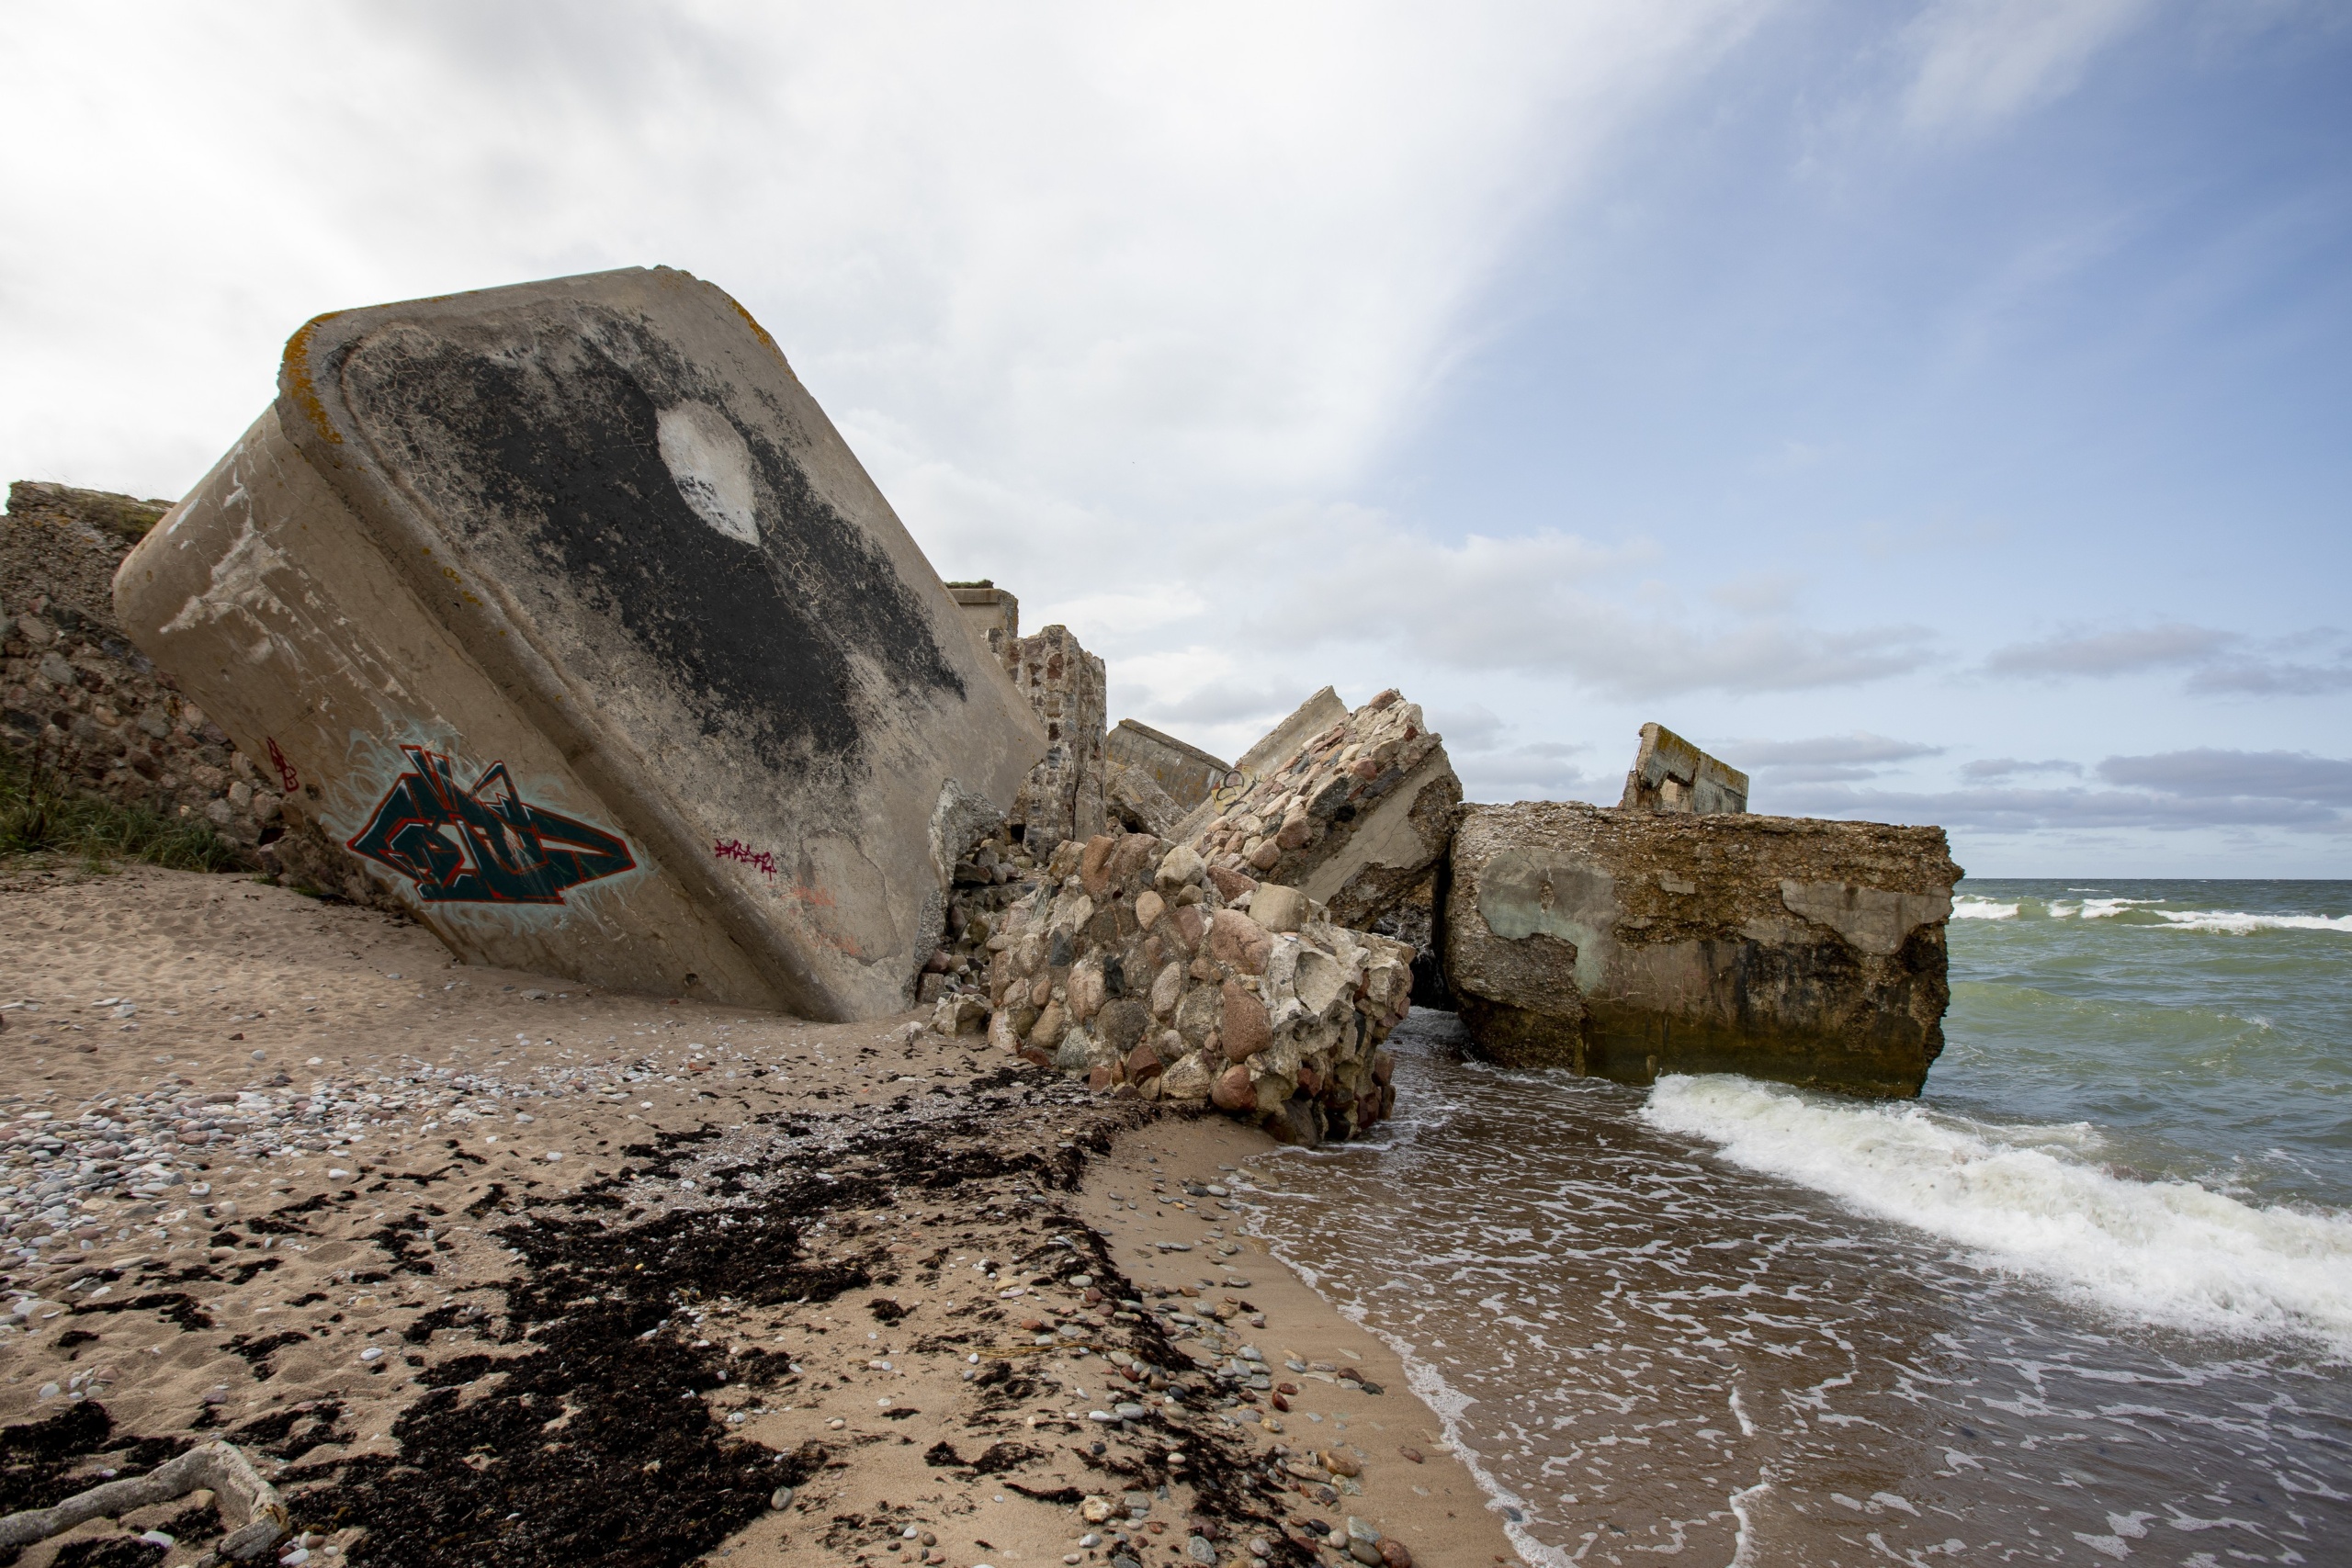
x=761 y=861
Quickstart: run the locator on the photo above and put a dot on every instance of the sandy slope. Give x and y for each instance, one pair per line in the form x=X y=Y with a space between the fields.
x=484 y=1266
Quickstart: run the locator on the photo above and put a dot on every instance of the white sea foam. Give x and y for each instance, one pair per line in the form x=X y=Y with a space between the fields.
x=2023 y=1198
x=2238 y=924
x=1968 y=907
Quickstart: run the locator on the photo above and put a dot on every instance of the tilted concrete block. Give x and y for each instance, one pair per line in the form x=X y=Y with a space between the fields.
x=1625 y=944
x=567 y=612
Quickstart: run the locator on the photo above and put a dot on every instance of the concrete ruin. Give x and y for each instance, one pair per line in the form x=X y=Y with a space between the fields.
x=992 y=613
x=1672 y=776
x=1627 y=944
x=1131 y=964
x=1062 y=798
x=1180 y=771
x=567 y=614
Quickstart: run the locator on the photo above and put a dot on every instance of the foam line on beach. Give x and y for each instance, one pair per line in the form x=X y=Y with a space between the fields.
x=2028 y=1200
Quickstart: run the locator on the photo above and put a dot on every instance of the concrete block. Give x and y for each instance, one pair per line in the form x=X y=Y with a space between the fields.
x=1670 y=774
x=1184 y=772
x=570 y=613
x=1626 y=943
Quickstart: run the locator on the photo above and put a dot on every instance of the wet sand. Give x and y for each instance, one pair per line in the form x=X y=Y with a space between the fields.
x=484 y=1266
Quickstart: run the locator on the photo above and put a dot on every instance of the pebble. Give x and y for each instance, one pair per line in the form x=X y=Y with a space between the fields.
x=781 y=1498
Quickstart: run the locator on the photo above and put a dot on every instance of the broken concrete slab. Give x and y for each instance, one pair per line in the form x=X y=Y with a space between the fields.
x=1181 y=771
x=1671 y=775
x=1625 y=944
x=1357 y=816
x=570 y=613
x=1275 y=746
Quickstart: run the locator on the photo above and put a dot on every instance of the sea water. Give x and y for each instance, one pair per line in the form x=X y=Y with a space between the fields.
x=2087 y=1299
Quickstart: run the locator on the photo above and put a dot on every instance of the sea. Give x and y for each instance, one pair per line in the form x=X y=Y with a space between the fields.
x=2087 y=1299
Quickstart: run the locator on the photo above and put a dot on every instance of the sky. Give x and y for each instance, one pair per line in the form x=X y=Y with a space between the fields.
x=1942 y=410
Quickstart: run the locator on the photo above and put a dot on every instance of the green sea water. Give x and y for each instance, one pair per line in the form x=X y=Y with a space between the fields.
x=2087 y=1299
x=2196 y=1029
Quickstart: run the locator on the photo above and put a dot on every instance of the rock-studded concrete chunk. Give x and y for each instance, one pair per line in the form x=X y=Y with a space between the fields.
x=1357 y=817
x=1128 y=965
x=1626 y=943
x=566 y=609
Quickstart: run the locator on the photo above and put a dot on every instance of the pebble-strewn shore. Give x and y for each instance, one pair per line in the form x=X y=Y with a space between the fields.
x=476 y=1267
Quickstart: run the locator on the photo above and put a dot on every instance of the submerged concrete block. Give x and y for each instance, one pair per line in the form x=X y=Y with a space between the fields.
x=1625 y=944
x=1670 y=774
x=566 y=610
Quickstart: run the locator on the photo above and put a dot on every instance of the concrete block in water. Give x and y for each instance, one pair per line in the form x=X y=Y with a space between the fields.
x=567 y=612
x=1629 y=943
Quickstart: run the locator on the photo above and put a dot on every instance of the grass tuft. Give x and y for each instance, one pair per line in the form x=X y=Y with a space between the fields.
x=41 y=816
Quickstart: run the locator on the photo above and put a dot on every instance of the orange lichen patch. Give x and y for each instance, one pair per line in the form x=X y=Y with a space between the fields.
x=297 y=374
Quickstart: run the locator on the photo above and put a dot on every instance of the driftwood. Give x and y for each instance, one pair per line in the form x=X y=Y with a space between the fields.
x=248 y=1505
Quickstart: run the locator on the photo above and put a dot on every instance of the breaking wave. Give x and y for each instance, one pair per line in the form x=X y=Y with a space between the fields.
x=2138 y=912
x=2032 y=1199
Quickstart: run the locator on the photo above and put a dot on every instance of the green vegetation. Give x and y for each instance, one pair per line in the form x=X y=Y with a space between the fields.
x=41 y=815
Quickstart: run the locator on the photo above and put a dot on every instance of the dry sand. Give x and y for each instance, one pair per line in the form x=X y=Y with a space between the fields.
x=485 y=1268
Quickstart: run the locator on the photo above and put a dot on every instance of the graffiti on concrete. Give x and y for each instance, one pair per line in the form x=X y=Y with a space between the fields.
x=761 y=861
x=486 y=844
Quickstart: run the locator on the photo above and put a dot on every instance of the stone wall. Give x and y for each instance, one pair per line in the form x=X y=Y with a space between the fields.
x=1629 y=943
x=1064 y=683
x=76 y=699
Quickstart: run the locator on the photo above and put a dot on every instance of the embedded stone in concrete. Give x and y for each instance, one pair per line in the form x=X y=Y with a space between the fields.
x=1626 y=943
x=1671 y=775
x=1183 y=771
x=568 y=612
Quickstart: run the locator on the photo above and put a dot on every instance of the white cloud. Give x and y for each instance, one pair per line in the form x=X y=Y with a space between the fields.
x=1985 y=60
x=1124 y=253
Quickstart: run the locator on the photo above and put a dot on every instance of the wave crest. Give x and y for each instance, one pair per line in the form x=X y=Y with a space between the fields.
x=2022 y=1198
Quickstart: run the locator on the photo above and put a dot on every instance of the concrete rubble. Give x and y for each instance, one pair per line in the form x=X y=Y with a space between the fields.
x=1062 y=798
x=1135 y=963
x=1627 y=944
x=708 y=725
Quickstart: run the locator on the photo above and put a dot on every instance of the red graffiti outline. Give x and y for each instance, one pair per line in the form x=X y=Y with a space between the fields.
x=286 y=773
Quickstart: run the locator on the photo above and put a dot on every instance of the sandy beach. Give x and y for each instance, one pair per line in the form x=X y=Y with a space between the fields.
x=481 y=1266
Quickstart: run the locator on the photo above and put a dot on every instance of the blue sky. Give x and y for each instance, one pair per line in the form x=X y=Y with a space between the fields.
x=1943 y=410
